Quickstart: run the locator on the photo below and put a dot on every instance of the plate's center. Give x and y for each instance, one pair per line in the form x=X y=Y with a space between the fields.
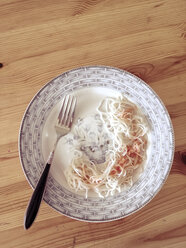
x=90 y=137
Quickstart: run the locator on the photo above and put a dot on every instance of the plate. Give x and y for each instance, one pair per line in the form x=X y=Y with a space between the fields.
x=90 y=85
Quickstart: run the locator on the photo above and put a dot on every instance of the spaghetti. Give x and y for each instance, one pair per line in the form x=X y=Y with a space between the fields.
x=127 y=129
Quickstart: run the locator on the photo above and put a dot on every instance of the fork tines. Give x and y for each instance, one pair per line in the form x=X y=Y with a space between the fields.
x=67 y=111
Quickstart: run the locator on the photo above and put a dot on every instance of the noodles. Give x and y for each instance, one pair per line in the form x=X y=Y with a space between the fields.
x=126 y=128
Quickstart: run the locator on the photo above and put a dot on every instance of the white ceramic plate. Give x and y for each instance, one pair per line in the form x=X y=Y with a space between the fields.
x=90 y=85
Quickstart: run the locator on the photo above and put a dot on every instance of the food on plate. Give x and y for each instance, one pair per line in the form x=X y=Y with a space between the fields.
x=126 y=130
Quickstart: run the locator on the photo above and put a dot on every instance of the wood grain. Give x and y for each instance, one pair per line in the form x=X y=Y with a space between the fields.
x=42 y=39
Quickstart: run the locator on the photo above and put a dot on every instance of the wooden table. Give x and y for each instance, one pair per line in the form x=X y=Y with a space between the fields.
x=41 y=39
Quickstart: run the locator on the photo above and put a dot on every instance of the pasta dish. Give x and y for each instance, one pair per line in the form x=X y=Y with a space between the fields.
x=127 y=130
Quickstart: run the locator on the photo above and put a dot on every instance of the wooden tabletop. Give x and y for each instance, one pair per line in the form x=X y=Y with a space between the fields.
x=41 y=39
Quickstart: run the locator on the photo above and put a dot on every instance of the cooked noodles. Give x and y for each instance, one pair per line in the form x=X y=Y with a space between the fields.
x=127 y=129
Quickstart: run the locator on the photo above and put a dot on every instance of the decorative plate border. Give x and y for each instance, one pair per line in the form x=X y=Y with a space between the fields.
x=162 y=139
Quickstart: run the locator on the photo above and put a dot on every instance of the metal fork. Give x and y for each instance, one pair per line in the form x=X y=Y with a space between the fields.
x=62 y=126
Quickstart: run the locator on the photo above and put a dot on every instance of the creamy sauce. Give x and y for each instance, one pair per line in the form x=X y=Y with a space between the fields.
x=90 y=137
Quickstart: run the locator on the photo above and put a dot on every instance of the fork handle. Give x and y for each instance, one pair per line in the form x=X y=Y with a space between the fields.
x=36 y=198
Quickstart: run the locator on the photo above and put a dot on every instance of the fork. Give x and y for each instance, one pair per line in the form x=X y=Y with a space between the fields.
x=62 y=127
